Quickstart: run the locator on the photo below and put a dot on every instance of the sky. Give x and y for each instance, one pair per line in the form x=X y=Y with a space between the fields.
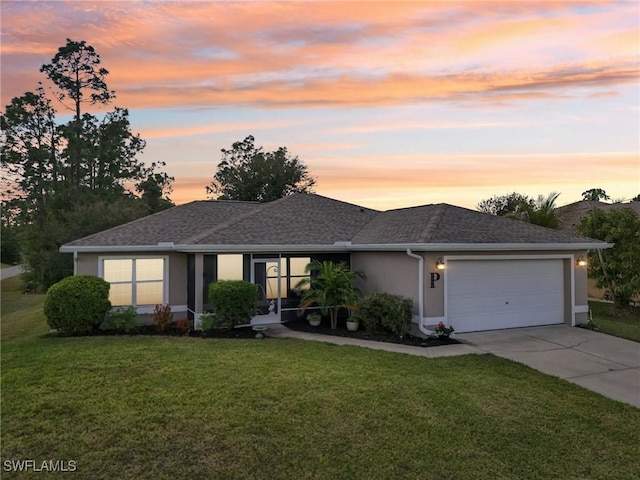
x=389 y=104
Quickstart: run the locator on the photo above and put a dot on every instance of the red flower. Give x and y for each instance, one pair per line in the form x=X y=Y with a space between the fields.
x=440 y=325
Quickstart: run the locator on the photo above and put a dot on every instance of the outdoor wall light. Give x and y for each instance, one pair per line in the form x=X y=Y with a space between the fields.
x=440 y=265
x=581 y=261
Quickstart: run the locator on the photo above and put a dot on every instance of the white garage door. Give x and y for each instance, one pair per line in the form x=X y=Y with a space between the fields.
x=494 y=294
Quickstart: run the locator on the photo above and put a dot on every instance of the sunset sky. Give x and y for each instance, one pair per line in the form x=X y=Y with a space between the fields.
x=389 y=104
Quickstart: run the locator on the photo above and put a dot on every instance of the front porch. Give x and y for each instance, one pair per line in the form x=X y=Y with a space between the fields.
x=275 y=274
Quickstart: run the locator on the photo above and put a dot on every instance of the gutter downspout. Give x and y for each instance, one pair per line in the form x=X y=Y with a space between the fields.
x=75 y=262
x=420 y=291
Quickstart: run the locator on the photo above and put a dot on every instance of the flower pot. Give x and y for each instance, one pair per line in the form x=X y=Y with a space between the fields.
x=314 y=320
x=352 y=326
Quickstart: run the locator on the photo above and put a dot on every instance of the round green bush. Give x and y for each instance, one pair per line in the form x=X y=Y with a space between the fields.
x=77 y=304
x=383 y=312
x=234 y=302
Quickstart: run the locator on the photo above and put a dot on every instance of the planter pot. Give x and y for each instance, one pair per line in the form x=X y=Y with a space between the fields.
x=352 y=326
x=314 y=321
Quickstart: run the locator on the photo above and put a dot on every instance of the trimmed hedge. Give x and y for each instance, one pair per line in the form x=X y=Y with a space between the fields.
x=234 y=302
x=77 y=304
x=383 y=312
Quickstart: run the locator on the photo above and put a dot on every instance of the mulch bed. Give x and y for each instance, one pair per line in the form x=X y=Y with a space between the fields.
x=243 y=332
x=325 y=329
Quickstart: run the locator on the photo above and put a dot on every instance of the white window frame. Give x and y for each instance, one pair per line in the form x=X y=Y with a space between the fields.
x=165 y=279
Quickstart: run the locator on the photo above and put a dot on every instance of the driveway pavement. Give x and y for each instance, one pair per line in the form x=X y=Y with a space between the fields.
x=10 y=272
x=602 y=363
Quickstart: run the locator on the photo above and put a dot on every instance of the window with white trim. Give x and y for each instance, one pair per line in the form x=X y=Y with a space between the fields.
x=135 y=281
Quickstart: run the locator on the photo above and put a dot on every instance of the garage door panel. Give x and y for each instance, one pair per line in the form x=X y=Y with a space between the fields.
x=492 y=294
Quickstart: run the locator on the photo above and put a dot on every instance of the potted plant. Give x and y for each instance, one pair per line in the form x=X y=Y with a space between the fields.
x=353 y=323
x=314 y=319
x=330 y=287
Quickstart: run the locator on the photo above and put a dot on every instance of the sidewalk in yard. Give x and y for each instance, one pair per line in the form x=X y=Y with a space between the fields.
x=280 y=331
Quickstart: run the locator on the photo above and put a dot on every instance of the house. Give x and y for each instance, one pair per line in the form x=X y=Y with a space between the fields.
x=468 y=269
x=570 y=216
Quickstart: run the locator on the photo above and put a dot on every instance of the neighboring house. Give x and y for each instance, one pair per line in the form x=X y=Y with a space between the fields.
x=570 y=216
x=468 y=269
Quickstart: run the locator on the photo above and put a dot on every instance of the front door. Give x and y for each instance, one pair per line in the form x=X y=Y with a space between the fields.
x=267 y=275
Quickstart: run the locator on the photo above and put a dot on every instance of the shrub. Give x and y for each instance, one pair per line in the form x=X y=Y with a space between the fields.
x=383 y=312
x=162 y=317
x=234 y=302
x=77 y=304
x=208 y=321
x=121 y=319
x=183 y=325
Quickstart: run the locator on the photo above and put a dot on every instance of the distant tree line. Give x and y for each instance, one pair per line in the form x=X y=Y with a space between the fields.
x=62 y=181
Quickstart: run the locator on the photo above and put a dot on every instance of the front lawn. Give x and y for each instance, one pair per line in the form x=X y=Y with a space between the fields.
x=621 y=323
x=136 y=407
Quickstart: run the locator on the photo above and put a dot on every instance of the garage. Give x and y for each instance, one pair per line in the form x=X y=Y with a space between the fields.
x=484 y=294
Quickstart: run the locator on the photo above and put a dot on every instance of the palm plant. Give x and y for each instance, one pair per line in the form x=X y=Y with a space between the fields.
x=330 y=287
x=543 y=212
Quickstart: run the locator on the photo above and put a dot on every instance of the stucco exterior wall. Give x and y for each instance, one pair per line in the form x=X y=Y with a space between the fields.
x=390 y=272
x=396 y=272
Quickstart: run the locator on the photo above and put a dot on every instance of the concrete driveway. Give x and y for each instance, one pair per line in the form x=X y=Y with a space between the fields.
x=602 y=363
x=10 y=272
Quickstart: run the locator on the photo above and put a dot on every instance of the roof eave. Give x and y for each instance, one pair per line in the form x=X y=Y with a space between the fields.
x=338 y=247
x=485 y=247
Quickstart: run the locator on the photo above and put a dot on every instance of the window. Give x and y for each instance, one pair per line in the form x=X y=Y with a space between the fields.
x=135 y=281
x=230 y=267
x=297 y=266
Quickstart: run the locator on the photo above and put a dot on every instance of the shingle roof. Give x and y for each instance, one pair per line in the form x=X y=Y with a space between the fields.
x=444 y=224
x=175 y=225
x=309 y=219
x=571 y=214
x=300 y=219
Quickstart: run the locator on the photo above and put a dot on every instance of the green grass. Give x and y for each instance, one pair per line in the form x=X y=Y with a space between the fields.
x=160 y=407
x=5 y=265
x=621 y=323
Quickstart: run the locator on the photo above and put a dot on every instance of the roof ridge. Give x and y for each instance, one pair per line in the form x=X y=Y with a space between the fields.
x=432 y=224
x=221 y=226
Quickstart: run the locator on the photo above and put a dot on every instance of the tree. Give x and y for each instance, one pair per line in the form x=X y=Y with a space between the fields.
x=75 y=70
x=615 y=269
x=636 y=198
x=155 y=190
x=520 y=207
x=29 y=153
x=247 y=172
x=505 y=205
x=595 y=195
x=69 y=180
x=543 y=212
x=331 y=287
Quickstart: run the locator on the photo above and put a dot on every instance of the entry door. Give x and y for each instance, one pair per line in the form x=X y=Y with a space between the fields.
x=266 y=274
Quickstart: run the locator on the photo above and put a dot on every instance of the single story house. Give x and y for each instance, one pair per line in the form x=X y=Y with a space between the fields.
x=468 y=269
